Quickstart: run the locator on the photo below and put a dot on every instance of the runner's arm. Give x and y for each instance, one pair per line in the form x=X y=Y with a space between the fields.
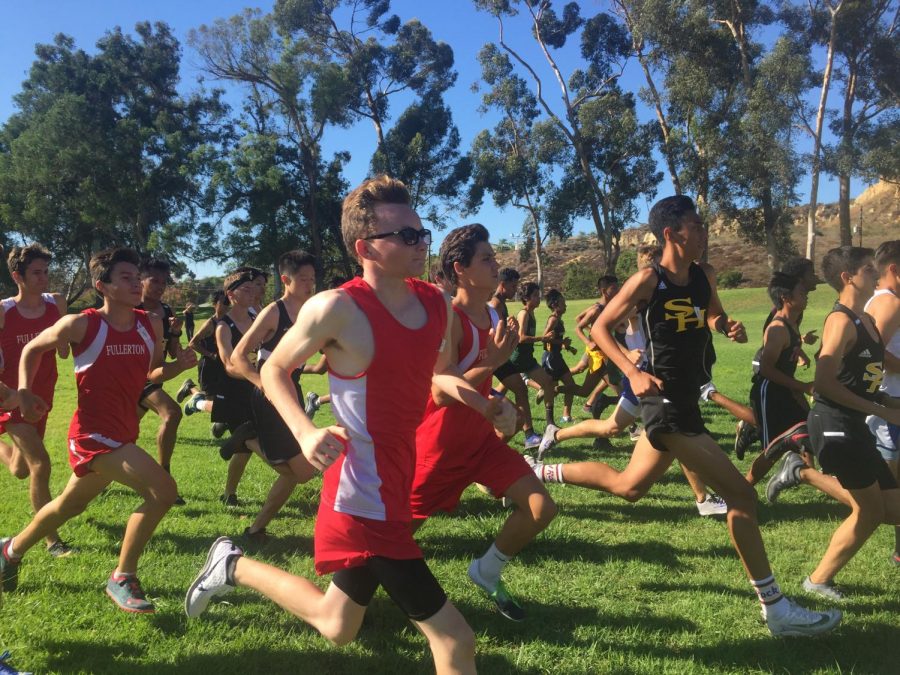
x=262 y=329
x=716 y=318
x=206 y=329
x=63 y=308
x=885 y=312
x=775 y=340
x=160 y=369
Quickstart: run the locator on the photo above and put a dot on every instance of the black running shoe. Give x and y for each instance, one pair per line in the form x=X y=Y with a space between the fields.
x=238 y=437
x=9 y=568
x=185 y=390
x=745 y=435
x=791 y=440
x=218 y=429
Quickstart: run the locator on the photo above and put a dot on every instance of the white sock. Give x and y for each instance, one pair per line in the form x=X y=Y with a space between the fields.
x=552 y=473
x=10 y=551
x=770 y=596
x=491 y=564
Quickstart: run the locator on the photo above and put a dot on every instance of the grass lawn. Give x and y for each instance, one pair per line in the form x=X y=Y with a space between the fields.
x=609 y=587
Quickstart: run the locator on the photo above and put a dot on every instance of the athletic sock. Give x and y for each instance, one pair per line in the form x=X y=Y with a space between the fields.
x=491 y=564
x=552 y=473
x=770 y=596
x=549 y=414
x=118 y=576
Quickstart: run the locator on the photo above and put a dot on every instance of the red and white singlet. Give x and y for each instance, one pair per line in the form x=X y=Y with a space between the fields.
x=17 y=332
x=110 y=371
x=364 y=509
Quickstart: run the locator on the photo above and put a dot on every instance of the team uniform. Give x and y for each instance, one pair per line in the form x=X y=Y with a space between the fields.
x=507 y=368
x=778 y=408
x=110 y=371
x=553 y=361
x=839 y=435
x=17 y=332
x=676 y=351
x=150 y=387
x=231 y=403
x=456 y=446
x=363 y=529
x=523 y=355
x=886 y=434
x=275 y=438
x=210 y=369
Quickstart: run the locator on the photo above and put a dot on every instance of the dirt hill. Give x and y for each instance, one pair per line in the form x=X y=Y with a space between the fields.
x=879 y=207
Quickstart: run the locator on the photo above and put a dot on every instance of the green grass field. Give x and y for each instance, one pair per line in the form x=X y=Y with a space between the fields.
x=609 y=587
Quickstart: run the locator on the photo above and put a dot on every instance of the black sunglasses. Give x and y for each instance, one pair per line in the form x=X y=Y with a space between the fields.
x=410 y=236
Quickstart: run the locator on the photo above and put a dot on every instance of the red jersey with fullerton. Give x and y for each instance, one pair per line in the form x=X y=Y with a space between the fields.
x=17 y=332
x=110 y=371
x=364 y=509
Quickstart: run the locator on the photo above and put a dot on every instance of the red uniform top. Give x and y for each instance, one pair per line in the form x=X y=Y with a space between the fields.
x=110 y=371
x=364 y=509
x=17 y=332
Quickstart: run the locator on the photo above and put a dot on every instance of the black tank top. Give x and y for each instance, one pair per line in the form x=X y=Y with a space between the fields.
x=501 y=307
x=233 y=384
x=267 y=347
x=674 y=322
x=787 y=359
x=862 y=368
x=167 y=314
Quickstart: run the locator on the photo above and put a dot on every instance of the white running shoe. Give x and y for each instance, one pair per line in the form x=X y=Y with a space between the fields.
x=532 y=441
x=798 y=621
x=713 y=505
x=566 y=419
x=827 y=590
x=548 y=441
x=213 y=578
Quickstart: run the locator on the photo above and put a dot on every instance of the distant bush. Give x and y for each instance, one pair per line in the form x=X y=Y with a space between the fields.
x=580 y=282
x=731 y=279
x=626 y=265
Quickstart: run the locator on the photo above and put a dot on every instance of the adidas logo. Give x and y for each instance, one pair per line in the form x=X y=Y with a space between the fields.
x=662 y=286
x=866 y=354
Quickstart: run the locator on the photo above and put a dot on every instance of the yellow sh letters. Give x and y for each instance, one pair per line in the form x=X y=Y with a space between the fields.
x=684 y=312
x=874 y=375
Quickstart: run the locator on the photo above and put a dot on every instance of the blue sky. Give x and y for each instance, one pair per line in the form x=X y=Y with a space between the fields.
x=453 y=21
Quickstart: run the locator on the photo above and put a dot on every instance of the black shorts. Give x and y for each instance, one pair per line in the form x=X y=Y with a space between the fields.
x=275 y=439
x=409 y=583
x=209 y=375
x=777 y=409
x=504 y=371
x=671 y=414
x=149 y=388
x=231 y=407
x=555 y=365
x=525 y=363
x=846 y=449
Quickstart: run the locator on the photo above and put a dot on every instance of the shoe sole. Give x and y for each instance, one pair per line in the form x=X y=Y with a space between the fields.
x=130 y=610
x=783 y=436
x=204 y=570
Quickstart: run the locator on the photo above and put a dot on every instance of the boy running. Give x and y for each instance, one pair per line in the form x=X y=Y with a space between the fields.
x=680 y=307
x=114 y=349
x=455 y=446
x=387 y=338
x=22 y=318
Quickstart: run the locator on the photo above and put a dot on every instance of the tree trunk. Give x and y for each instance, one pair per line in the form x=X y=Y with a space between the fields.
x=817 y=138
x=844 y=208
x=847 y=133
x=770 y=225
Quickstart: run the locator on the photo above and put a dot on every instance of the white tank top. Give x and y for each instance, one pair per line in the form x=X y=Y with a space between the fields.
x=891 y=381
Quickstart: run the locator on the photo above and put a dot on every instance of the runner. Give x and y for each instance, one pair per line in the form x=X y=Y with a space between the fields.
x=22 y=318
x=455 y=446
x=114 y=348
x=680 y=306
x=276 y=442
x=384 y=334
x=155 y=277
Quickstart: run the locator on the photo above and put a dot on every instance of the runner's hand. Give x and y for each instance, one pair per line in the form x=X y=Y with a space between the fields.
x=644 y=384
x=810 y=338
x=9 y=398
x=323 y=446
x=502 y=343
x=33 y=407
x=735 y=331
x=502 y=414
x=186 y=358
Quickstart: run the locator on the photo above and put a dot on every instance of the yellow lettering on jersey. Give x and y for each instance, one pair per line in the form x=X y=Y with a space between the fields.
x=874 y=374
x=684 y=312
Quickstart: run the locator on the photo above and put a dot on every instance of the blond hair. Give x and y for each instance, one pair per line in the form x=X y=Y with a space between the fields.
x=358 y=212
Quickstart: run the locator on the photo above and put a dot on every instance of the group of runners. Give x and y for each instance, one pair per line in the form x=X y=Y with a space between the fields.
x=410 y=370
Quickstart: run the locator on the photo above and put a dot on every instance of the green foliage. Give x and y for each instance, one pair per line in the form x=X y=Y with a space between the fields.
x=626 y=265
x=580 y=281
x=730 y=278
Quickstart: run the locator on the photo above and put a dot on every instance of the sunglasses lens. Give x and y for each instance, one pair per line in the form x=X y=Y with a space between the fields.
x=412 y=236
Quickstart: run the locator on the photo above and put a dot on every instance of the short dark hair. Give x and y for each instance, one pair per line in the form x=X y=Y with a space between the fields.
x=102 y=263
x=553 y=298
x=151 y=265
x=843 y=259
x=459 y=247
x=527 y=290
x=798 y=266
x=20 y=257
x=667 y=212
x=781 y=285
x=887 y=253
x=606 y=281
x=290 y=263
x=254 y=272
x=508 y=274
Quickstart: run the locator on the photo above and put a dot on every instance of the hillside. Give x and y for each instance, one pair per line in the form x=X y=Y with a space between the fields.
x=879 y=205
